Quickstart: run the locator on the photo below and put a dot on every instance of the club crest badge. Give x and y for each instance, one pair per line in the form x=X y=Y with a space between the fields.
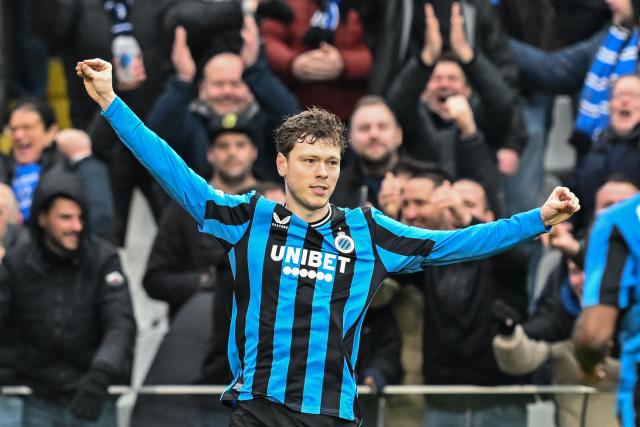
x=344 y=243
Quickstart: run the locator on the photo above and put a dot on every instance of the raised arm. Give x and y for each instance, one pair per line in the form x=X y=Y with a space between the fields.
x=222 y=215
x=406 y=249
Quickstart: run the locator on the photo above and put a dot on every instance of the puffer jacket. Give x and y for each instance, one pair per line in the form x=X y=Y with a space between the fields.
x=72 y=310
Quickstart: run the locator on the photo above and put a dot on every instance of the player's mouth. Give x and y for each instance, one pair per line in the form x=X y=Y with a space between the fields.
x=320 y=190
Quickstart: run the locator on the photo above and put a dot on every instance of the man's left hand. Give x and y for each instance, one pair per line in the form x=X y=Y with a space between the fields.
x=559 y=207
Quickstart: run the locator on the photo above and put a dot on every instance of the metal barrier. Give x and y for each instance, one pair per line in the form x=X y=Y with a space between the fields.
x=362 y=390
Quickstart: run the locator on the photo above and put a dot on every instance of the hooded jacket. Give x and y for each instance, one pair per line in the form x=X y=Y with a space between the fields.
x=73 y=311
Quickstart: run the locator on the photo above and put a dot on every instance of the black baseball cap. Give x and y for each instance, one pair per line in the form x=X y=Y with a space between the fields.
x=230 y=123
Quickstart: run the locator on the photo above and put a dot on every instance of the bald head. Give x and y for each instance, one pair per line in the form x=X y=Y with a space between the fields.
x=74 y=144
x=222 y=87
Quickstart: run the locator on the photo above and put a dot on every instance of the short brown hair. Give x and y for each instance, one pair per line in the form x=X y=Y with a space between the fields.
x=310 y=126
x=369 y=100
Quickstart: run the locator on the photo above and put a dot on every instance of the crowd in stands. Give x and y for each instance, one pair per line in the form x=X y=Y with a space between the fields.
x=448 y=106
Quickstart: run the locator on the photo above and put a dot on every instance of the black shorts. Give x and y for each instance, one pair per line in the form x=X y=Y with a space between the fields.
x=260 y=412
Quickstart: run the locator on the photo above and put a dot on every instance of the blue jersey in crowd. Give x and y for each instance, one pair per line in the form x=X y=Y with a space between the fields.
x=612 y=277
x=301 y=290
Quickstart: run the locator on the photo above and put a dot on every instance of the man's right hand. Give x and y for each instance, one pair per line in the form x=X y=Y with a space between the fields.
x=96 y=75
x=459 y=111
x=390 y=195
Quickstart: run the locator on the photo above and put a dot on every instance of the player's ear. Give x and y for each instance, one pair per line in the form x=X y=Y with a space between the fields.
x=282 y=164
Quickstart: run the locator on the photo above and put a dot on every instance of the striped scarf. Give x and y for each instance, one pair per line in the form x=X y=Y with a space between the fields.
x=618 y=56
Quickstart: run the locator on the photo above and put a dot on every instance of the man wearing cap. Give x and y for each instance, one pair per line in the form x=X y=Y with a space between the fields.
x=241 y=84
x=191 y=272
x=65 y=291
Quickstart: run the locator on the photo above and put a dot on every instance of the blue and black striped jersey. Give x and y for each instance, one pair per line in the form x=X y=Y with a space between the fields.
x=612 y=277
x=301 y=290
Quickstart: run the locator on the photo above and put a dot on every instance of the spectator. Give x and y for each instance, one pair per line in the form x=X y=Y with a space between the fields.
x=76 y=29
x=609 y=303
x=602 y=58
x=521 y=348
x=66 y=292
x=616 y=150
x=191 y=272
x=549 y=25
x=240 y=84
x=546 y=335
x=75 y=145
x=456 y=298
x=464 y=96
x=11 y=233
x=32 y=130
x=35 y=153
x=322 y=54
x=374 y=138
x=183 y=261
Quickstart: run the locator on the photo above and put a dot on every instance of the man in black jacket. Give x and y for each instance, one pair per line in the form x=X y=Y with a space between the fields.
x=465 y=92
x=457 y=323
x=65 y=291
x=191 y=272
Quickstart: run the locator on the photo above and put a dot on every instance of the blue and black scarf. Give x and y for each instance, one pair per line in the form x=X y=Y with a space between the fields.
x=618 y=56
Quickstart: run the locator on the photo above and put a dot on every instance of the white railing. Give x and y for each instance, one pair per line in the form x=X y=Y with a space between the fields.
x=362 y=390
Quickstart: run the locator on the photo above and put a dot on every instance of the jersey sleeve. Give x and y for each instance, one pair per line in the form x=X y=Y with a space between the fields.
x=222 y=215
x=402 y=248
x=605 y=265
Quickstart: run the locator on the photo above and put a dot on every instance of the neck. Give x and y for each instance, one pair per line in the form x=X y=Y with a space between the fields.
x=233 y=187
x=378 y=168
x=306 y=214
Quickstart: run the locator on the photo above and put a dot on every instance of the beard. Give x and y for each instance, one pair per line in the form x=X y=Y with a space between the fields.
x=233 y=179
x=380 y=165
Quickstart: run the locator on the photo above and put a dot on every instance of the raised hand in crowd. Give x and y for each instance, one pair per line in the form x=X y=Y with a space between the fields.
x=181 y=56
x=73 y=144
x=458 y=110
x=457 y=37
x=322 y=64
x=446 y=197
x=508 y=161
x=432 y=38
x=559 y=207
x=561 y=237
x=390 y=195
x=251 y=38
